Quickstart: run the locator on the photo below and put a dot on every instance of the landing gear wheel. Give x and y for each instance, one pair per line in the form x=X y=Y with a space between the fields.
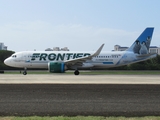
x=76 y=72
x=25 y=73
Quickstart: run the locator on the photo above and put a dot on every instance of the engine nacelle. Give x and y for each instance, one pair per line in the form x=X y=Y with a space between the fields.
x=56 y=67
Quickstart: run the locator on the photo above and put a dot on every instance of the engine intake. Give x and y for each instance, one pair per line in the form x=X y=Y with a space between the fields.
x=56 y=67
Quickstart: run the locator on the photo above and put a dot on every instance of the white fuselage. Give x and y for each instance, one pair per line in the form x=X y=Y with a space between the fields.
x=40 y=59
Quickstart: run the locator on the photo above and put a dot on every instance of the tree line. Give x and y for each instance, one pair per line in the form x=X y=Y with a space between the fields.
x=151 y=64
x=3 y=55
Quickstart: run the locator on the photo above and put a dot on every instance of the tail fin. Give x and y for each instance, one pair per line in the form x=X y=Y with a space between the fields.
x=142 y=44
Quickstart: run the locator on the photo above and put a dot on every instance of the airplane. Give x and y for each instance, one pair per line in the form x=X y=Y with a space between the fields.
x=60 y=61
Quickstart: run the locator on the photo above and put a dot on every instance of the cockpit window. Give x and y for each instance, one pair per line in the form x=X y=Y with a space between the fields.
x=14 y=56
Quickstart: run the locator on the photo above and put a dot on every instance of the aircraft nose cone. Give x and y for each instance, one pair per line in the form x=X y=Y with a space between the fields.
x=6 y=62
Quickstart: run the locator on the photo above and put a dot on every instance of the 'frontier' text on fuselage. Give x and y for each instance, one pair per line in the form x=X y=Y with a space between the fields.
x=57 y=57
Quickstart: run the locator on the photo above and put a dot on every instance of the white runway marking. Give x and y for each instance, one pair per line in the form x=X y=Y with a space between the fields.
x=81 y=79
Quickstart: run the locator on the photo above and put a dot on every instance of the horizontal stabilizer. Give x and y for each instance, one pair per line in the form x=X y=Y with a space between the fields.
x=146 y=55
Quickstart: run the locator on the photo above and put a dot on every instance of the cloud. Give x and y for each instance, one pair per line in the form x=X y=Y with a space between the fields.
x=41 y=35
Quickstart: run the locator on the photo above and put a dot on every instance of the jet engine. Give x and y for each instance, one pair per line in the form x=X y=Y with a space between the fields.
x=56 y=67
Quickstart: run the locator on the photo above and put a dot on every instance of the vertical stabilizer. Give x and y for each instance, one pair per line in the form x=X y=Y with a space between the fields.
x=142 y=43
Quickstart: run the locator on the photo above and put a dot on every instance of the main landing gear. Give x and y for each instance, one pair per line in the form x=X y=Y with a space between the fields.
x=76 y=72
x=25 y=71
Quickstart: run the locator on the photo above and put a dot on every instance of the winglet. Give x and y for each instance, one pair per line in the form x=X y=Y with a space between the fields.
x=98 y=51
x=83 y=59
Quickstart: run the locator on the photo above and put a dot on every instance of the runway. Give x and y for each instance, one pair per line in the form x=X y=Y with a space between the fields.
x=31 y=96
x=80 y=79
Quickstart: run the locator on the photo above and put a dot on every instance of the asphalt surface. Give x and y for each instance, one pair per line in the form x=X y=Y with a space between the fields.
x=79 y=99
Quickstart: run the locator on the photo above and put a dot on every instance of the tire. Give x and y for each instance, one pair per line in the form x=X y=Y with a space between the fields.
x=24 y=73
x=76 y=72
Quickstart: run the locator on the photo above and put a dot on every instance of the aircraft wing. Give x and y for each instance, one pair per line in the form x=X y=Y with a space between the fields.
x=146 y=55
x=79 y=61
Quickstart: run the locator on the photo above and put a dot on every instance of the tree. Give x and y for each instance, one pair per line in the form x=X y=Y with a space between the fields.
x=150 y=64
x=3 y=55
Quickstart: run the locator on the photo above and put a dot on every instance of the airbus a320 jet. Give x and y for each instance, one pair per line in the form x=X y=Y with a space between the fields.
x=60 y=61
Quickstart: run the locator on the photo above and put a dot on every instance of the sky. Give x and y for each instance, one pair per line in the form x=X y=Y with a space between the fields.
x=80 y=25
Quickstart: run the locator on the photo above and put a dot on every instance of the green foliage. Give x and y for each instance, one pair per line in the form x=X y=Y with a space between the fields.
x=3 y=55
x=151 y=64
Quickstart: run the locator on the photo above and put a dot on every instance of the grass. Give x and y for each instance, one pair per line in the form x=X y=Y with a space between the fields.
x=80 y=118
x=122 y=72
x=95 y=72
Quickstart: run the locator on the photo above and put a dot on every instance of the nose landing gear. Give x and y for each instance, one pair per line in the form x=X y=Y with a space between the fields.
x=25 y=71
